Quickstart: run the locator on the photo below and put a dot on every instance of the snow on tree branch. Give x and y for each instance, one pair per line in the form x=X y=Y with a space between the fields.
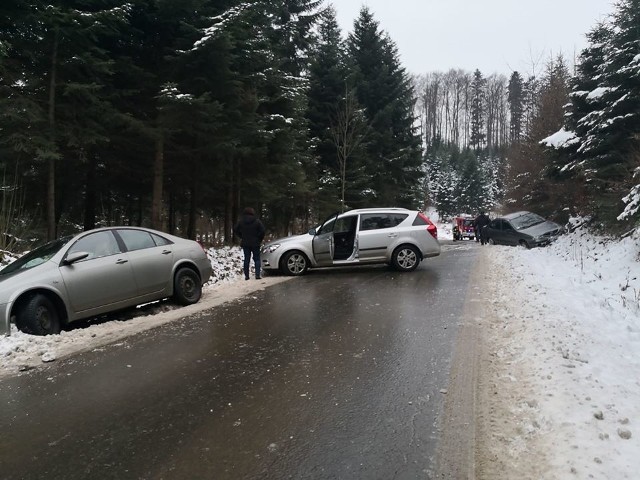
x=560 y=139
x=221 y=21
x=632 y=200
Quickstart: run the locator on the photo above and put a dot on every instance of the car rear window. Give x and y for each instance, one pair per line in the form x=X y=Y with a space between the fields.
x=420 y=220
x=160 y=240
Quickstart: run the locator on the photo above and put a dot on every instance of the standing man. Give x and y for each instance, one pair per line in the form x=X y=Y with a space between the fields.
x=479 y=223
x=251 y=233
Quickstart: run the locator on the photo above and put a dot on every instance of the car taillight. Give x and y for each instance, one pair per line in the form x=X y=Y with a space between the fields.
x=431 y=228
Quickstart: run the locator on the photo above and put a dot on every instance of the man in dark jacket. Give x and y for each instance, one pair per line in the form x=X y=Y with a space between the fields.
x=251 y=233
x=479 y=223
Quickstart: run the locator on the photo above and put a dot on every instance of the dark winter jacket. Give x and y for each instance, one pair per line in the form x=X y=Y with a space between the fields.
x=481 y=221
x=250 y=230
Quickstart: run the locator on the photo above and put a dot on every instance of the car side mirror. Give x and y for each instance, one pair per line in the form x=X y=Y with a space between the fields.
x=75 y=257
x=312 y=231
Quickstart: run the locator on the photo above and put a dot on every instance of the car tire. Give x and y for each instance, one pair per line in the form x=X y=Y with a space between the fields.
x=405 y=258
x=523 y=244
x=38 y=316
x=187 y=288
x=294 y=264
x=490 y=241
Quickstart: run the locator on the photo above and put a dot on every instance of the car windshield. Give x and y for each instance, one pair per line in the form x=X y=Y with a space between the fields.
x=527 y=220
x=36 y=257
x=328 y=225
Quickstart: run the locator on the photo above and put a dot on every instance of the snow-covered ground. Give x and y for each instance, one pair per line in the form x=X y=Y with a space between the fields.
x=561 y=373
x=561 y=378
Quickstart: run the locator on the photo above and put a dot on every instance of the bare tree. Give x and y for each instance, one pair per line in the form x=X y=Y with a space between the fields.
x=348 y=130
x=11 y=209
x=495 y=104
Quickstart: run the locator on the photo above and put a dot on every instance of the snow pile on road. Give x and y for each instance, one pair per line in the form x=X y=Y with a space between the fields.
x=564 y=380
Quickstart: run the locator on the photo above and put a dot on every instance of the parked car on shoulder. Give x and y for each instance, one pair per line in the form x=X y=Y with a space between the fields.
x=96 y=272
x=522 y=228
x=395 y=236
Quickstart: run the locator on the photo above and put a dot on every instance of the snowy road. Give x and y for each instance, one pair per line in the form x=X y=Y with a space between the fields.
x=339 y=374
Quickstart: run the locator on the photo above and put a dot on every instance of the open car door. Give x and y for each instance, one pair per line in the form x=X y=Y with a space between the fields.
x=323 y=244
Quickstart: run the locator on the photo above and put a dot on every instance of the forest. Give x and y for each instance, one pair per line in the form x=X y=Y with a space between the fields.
x=176 y=115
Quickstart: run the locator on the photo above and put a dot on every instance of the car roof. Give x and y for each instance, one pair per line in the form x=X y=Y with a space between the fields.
x=125 y=227
x=509 y=216
x=383 y=209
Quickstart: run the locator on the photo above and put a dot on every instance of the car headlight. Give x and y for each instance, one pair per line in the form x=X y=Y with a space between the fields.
x=270 y=248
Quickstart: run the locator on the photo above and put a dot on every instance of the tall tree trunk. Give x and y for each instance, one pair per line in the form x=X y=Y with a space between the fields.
x=90 y=196
x=235 y=192
x=172 y=211
x=158 y=174
x=193 y=204
x=227 y=235
x=51 y=179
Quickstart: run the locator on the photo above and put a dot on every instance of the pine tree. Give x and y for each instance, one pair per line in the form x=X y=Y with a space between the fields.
x=478 y=100
x=603 y=114
x=283 y=32
x=328 y=92
x=68 y=87
x=611 y=145
x=516 y=108
x=385 y=91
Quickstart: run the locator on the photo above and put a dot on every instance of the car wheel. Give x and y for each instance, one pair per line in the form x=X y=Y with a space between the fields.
x=523 y=244
x=294 y=264
x=38 y=316
x=405 y=258
x=187 y=288
x=490 y=241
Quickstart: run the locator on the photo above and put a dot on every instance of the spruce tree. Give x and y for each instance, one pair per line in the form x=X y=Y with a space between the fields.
x=67 y=90
x=478 y=136
x=603 y=114
x=612 y=144
x=385 y=91
x=283 y=32
x=328 y=89
x=516 y=108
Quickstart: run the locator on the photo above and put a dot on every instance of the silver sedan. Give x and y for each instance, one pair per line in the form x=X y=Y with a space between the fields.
x=96 y=272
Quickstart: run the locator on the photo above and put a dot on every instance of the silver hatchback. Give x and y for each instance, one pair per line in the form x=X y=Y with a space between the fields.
x=96 y=272
x=395 y=236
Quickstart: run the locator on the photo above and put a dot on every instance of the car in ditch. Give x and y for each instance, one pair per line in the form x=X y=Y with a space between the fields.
x=522 y=228
x=96 y=272
x=399 y=237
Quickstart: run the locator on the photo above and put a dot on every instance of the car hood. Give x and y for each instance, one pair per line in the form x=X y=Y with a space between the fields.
x=305 y=237
x=542 y=228
x=4 y=279
x=36 y=275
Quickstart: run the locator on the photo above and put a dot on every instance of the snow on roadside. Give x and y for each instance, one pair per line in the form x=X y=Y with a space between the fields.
x=21 y=352
x=564 y=382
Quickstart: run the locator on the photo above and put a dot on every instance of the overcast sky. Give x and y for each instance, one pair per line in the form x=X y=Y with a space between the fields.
x=492 y=35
